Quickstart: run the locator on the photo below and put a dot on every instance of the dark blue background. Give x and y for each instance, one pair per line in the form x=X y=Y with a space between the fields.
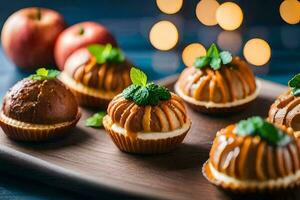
x=130 y=22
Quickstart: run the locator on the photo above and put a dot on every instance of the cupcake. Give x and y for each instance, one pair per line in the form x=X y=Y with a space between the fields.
x=96 y=74
x=146 y=118
x=38 y=108
x=254 y=155
x=286 y=109
x=217 y=83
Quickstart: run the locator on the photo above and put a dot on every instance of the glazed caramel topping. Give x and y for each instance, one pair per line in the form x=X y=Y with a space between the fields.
x=112 y=77
x=286 y=111
x=166 y=116
x=227 y=84
x=251 y=158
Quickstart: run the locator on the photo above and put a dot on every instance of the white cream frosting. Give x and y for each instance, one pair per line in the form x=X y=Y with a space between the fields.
x=154 y=135
x=209 y=104
x=284 y=181
x=24 y=125
x=71 y=83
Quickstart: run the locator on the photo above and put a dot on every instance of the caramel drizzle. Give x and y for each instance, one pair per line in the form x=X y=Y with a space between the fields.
x=250 y=158
x=106 y=77
x=285 y=110
x=166 y=116
x=225 y=85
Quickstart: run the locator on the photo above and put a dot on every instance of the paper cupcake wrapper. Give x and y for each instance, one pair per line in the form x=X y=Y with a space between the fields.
x=242 y=188
x=34 y=134
x=138 y=146
x=86 y=100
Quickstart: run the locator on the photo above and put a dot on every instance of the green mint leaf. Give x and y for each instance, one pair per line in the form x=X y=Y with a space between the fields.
x=215 y=63
x=201 y=62
x=213 y=51
x=95 y=120
x=44 y=74
x=296 y=91
x=106 y=53
x=129 y=92
x=138 y=77
x=141 y=96
x=163 y=93
x=260 y=127
x=225 y=57
x=295 y=81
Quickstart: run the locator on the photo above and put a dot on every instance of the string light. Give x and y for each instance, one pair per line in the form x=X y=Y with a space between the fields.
x=191 y=52
x=257 y=51
x=163 y=35
x=229 y=16
x=206 y=12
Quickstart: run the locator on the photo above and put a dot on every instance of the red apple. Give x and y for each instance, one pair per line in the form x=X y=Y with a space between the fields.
x=80 y=35
x=28 y=37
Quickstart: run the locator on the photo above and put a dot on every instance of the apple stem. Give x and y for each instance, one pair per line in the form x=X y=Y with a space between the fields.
x=81 y=30
x=38 y=14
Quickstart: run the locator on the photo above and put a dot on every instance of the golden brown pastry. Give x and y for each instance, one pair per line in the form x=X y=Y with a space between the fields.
x=286 y=109
x=93 y=80
x=146 y=119
x=254 y=155
x=38 y=108
x=226 y=88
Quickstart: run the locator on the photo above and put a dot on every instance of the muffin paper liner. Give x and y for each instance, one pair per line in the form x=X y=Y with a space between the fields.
x=36 y=133
x=139 y=146
x=234 y=187
x=86 y=100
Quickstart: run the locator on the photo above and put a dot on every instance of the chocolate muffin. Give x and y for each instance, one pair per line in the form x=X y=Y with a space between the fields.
x=227 y=86
x=254 y=155
x=286 y=109
x=146 y=119
x=38 y=108
x=96 y=74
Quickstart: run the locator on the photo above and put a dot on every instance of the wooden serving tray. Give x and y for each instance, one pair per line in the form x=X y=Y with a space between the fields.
x=88 y=162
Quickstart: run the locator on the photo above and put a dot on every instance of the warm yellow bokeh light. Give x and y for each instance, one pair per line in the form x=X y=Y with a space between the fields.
x=290 y=11
x=163 y=35
x=230 y=41
x=191 y=52
x=169 y=6
x=229 y=16
x=257 y=51
x=206 y=12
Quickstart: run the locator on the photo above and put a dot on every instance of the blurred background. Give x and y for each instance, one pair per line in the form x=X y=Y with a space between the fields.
x=131 y=22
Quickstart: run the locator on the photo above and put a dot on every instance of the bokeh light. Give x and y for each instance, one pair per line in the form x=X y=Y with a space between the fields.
x=169 y=6
x=290 y=11
x=191 y=52
x=163 y=35
x=229 y=16
x=257 y=51
x=206 y=12
x=230 y=41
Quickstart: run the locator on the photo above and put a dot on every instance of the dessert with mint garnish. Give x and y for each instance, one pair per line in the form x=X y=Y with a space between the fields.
x=146 y=118
x=217 y=83
x=38 y=108
x=286 y=109
x=254 y=155
x=96 y=74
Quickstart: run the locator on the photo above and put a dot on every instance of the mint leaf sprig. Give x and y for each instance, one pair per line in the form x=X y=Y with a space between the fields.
x=106 y=53
x=256 y=126
x=214 y=58
x=143 y=93
x=96 y=120
x=294 y=83
x=44 y=74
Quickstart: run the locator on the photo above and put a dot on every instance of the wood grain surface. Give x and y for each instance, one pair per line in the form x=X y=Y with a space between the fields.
x=87 y=161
